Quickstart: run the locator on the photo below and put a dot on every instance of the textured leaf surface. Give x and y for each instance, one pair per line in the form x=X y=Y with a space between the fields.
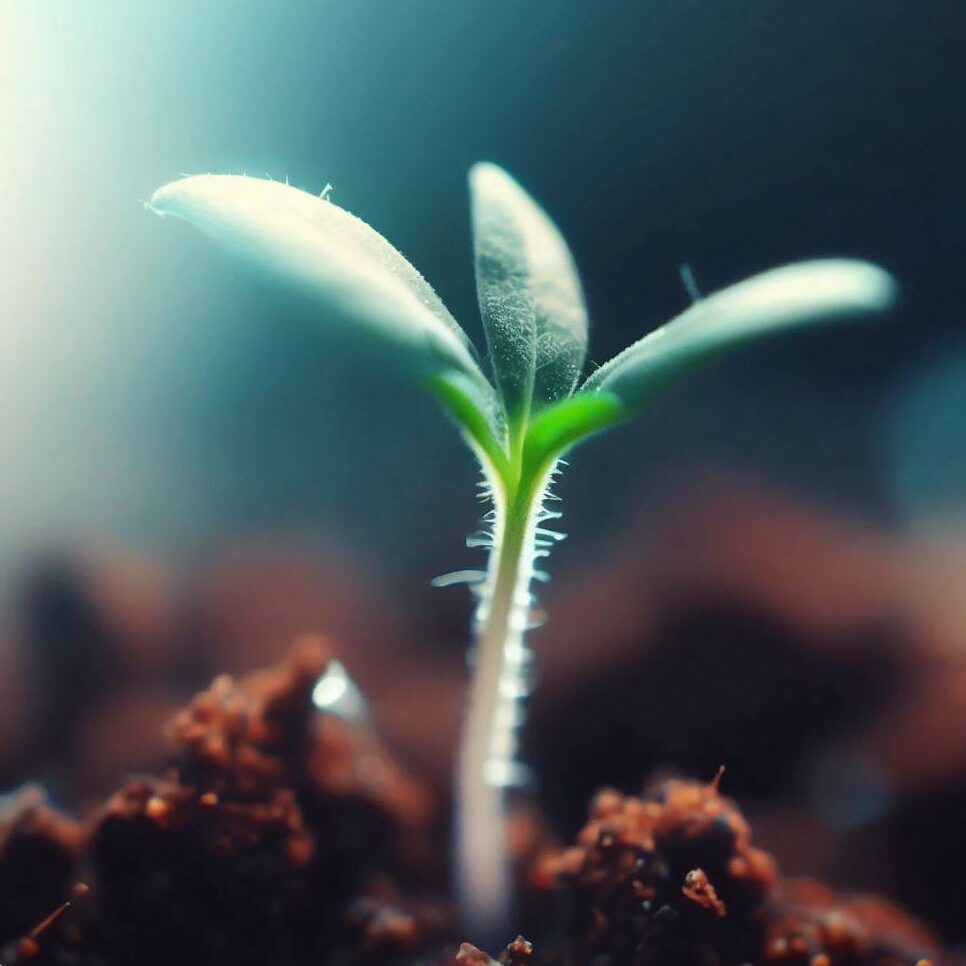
x=775 y=300
x=351 y=270
x=529 y=292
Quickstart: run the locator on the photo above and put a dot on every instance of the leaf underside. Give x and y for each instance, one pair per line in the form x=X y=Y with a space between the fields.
x=559 y=427
x=334 y=257
x=782 y=298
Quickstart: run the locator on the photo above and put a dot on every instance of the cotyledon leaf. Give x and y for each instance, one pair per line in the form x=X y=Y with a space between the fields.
x=529 y=292
x=778 y=299
x=332 y=256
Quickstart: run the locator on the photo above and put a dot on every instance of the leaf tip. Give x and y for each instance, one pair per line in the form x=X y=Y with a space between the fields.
x=879 y=289
x=489 y=180
x=483 y=171
x=835 y=284
x=167 y=200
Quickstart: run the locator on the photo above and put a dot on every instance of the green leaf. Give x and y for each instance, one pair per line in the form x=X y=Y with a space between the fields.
x=464 y=404
x=779 y=299
x=569 y=421
x=334 y=257
x=529 y=293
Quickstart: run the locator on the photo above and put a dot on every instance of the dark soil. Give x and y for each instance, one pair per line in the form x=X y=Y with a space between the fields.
x=282 y=836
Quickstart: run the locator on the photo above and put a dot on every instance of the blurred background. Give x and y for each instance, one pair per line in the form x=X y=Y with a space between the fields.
x=765 y=571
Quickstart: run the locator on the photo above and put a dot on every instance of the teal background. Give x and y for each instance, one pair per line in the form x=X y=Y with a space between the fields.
x=152 y=395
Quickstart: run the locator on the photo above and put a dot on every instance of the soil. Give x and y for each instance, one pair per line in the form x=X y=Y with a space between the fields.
x=284 y=836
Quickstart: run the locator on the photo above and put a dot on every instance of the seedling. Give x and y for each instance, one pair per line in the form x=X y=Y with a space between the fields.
x=519 y=423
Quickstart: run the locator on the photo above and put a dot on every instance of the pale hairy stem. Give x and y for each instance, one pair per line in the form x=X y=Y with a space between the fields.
x=487 y=764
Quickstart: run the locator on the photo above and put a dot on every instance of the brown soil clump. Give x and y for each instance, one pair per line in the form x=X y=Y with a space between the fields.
x=275 y=837
x=672 y=879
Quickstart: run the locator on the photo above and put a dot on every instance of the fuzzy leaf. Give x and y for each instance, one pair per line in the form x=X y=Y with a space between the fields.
x=334 y=257
x=781 y=298
x=529 y=293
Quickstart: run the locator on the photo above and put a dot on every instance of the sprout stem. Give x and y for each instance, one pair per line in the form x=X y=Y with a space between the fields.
x=487 y=764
